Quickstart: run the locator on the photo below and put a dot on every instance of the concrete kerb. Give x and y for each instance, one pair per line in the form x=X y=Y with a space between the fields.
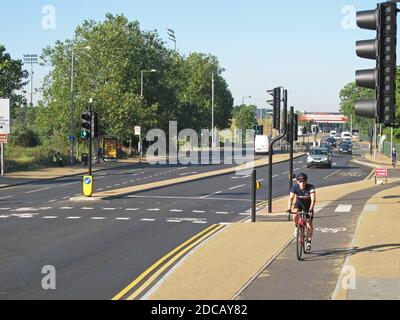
x=114 y=194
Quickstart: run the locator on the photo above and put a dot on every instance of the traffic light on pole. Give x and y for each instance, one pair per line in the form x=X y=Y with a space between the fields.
x=95 y=125
x=382 y=49
x=295 y=127
x=276 y=103
x=86 y=125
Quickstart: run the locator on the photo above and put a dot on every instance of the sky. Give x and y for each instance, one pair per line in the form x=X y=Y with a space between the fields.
x=307 y=46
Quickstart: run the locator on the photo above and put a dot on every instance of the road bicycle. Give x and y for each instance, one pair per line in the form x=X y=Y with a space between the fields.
x=394 y=162
x=301 y=234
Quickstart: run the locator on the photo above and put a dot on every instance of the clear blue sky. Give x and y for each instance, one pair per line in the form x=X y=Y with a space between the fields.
x=301 y=45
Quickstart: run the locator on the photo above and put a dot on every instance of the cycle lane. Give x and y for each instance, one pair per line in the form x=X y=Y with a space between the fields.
x=315 y=277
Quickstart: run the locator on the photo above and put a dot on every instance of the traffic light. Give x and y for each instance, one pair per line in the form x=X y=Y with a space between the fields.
x=86 y=125
x=95 y=125
x=276 y=103
x=382 y=49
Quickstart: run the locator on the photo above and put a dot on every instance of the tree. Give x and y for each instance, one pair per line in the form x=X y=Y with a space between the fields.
x=244 y=116
x=12 y=80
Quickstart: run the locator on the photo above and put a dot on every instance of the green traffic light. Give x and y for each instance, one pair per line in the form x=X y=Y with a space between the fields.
x=84 y=134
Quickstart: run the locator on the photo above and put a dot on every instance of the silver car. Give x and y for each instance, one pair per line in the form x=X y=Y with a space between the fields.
x=319 y=157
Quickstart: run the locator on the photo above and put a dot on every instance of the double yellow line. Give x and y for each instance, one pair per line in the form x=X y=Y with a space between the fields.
x=164 y=263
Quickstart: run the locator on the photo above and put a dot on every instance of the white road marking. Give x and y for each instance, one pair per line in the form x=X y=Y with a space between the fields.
x=237 y=187
x=343 y=208
x=198 y=211
x=240 y=177
x=176 y=210
x=109 y=209
x=25 y=215
x=131 y=181
x=5 y=208
x=174 y=220
x=4 y=216
x=6 y=197
x=117 y=185
x=277 y=175
x=25 y=209
x=244 y=214
x=98 y=218
x=131 y=209
x=148 y=220
x=50 y=201
x=123 y=219
x=189 y=198
x=156 y=209
x=212 y=194
x=73 y=218
x=222 y=212
x=201 y=222
x=286 y=172
x=99 y=189
x=45 y=208
x=67 y=184
x=50 y=217
x=66 y=208
x=87 y=208
x=37 y=190
x=100 y=177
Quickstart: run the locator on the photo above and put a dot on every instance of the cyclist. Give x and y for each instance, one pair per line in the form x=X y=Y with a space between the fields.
x=305 y=201
x=394 y=157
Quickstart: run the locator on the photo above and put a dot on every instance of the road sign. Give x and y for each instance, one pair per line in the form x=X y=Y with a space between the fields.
x=72 y=138
x=88 y=186
x=137 y=130
x=3 y=138
x=5 y=116
x=381 y=173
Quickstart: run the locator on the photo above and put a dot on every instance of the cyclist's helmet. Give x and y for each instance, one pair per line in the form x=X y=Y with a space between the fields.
x=301 y=177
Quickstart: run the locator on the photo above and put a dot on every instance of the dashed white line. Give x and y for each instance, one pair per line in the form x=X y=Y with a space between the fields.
x=176 y=210
x=148 y=220
x=73 y=218
x=237 y=187
x=50 y=201
x=222 y=212
x=50 y=217
x=131 y=209
x=98 y=218
x=7 y=197
x=37 y=190
x=109 y=209
x=123 y=219
x=66 y=208
x=198 y=211
x=156 y=209
x=87 y=208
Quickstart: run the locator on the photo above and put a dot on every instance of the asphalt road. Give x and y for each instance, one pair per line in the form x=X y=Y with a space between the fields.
x=97 y=249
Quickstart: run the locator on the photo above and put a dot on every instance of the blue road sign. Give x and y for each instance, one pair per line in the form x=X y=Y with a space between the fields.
x=88 y=181
x=72 y=138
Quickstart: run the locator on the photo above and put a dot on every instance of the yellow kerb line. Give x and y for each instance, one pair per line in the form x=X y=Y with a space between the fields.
x=145 y=273
x=164 y=267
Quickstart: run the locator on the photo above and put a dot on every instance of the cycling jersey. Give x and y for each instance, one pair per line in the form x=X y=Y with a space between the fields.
x=303 y=197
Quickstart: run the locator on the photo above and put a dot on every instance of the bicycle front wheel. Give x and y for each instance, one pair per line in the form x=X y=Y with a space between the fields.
x=300 y=241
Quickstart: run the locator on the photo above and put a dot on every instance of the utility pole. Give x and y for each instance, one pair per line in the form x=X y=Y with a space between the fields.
x=212 y=111
x=291 y=137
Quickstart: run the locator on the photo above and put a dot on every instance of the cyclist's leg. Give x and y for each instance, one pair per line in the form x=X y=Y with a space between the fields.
x=295 y=212
x=310 y=228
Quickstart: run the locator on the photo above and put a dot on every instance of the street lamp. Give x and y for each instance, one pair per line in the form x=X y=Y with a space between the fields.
x=249 y=97
x=141 y=79
x=72 y=137
x=31 y=59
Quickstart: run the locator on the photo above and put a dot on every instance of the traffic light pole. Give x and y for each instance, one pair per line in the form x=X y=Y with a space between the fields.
x=291 y=139
x=90 y=138
x=271 y=151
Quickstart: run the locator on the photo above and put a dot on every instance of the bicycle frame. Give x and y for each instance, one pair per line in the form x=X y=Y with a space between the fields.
x=301 y=234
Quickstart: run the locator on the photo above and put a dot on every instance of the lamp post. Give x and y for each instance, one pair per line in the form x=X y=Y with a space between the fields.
x=249 y=97
x=72 y=108
x=141 y=94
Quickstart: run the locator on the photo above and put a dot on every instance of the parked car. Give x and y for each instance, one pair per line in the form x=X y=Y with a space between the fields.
x=332 y=133
x=319 y=157
x=345 y=134
x=346 y=147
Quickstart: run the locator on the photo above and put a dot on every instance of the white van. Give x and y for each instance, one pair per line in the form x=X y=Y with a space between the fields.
x=261 y=144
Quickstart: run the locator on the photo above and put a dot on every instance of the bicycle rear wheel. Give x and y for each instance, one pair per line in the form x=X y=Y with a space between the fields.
x=300 y=241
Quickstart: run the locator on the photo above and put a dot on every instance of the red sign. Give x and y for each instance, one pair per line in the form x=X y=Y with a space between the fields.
x=3 y=138
x=382 y=173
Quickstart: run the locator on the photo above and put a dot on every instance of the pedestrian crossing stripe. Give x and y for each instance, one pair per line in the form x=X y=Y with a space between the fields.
x=343 y=208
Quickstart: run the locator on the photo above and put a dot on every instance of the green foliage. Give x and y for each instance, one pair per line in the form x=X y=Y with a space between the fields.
x=12 y=79
x=244 y=116
x=24 y=137
x=109 y=58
